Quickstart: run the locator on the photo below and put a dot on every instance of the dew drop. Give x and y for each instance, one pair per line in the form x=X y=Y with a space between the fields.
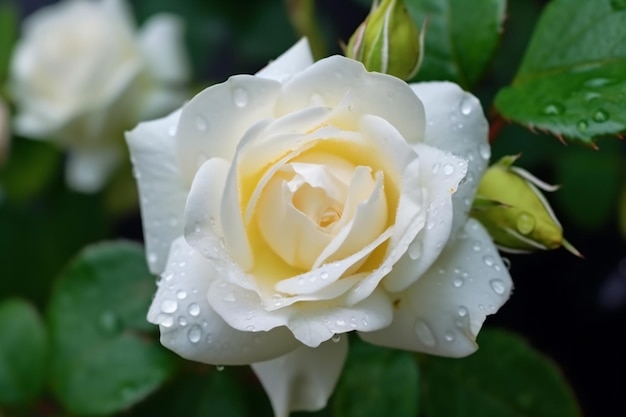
x=240 y=97
x=465 y=105
x=201 y=123
x=182 y=320
x=449 y=336
x=324 y=275
x=415 y=250
x=485 y=151
x=424 y=334
x=181 y=294
x=194 y=334
x=193 y=309
x=336 y=338
x=165 y=320
x=169 y=306
x=598 y=82
x=250 y=328
x=600 y=116
x=340 y=323
x=477 y=246
x=219 y=368
x=110 y=322
x=458 y=282
x=553 y=109
x=462 y=311
x=497 y=286
x=488 y=260
x=448 y=169
x=582 y=126
x=525 y=223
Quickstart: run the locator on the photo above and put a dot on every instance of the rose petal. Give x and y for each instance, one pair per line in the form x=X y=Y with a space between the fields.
x=161 y=39
x=336 y=78
x=303 y=379
x=153 y=152
x=214 y=122
x=439 y=176
x=291 y=62
x=192 y=329
x=456 y=124
x=443 y=311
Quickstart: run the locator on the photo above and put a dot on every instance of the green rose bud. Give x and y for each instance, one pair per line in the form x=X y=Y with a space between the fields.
x=388 y=41
x=510 y=205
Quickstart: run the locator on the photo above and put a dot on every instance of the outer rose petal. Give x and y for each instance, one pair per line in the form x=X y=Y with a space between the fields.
x=294 y=60
x=153 y=152
x=191 y=328
x=456 y=123
x=443 y=311
x=303 y=379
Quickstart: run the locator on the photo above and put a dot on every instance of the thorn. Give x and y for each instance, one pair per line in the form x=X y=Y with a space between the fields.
x=560 y=138
x=595 y=146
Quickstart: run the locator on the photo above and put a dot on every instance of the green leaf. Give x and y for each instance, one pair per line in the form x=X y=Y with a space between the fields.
x=461 y=37
x=572 y=81
x=505 y=378
x=104 y=360
x=377 y=382
x=23 y=352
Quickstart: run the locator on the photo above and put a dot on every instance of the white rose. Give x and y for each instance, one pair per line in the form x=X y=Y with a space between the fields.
x=314 y=199
x=81 y=75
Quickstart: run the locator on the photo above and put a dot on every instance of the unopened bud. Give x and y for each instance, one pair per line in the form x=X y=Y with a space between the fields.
x=388 y=41
x=512 y=208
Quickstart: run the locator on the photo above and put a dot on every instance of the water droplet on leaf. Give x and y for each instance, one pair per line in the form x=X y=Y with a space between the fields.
x=553 y=109
x=525 y=223
x=600 y=116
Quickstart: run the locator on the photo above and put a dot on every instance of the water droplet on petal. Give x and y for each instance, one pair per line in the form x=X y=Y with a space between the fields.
x=415 y=250
x=600 y=116
x=458 y=282
x=172 y=130
x=448 y=169
x=250 y=328
x=181 y=294
x=525 y=223
x=488 y=260
x=324 y=275
x=497 y=285
x=193 y=309
x=465 y=105
x=182 y=320
x=477 y=246
x=152 y=258
x=462 y=311
x=336 y=338
x=169 y=306
x=240 y=97
x=485 y=151
x=194 y=334
x=424 y=334
x=449 y=336
x=201 y=123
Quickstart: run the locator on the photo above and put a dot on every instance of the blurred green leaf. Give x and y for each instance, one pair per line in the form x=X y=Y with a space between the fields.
x=104 y=360
x=622 y=211
x=461 y=37
x=377 y=382
x=572 y=81
x=30 y=167
x=504 y=378
x=591 y=183
x=8 y=34
x=201 y=394
x=23 y=352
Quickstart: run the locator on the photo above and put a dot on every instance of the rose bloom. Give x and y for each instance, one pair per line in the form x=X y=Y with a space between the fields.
x=81 y=74
x=285 y=209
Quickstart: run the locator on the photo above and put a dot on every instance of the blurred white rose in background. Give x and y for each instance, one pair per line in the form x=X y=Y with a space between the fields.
x=81 y=74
